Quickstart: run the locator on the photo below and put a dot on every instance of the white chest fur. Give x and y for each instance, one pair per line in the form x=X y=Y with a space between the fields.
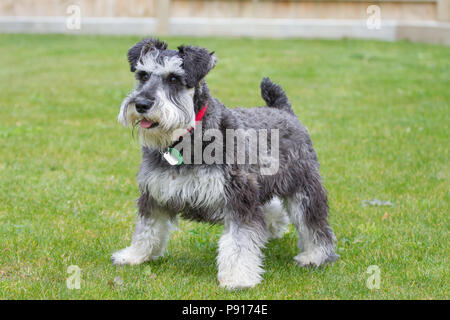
x=198 y=187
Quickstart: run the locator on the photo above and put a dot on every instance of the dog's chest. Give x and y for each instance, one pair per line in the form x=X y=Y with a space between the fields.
x=196 y=188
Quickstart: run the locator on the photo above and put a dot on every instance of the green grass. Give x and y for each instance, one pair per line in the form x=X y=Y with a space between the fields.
x=378 y=114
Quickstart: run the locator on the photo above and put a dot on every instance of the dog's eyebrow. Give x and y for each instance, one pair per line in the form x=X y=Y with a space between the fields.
x=164 y=66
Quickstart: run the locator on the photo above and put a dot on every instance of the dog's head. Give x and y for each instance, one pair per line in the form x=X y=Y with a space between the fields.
x=162 y=103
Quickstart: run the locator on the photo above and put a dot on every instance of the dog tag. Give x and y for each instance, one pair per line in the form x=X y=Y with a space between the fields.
x=173 y=157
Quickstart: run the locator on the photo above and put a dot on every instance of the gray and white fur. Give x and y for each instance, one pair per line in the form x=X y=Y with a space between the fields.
x=253 y=207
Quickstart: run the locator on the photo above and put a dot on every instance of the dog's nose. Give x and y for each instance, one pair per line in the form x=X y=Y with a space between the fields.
x=142 y=105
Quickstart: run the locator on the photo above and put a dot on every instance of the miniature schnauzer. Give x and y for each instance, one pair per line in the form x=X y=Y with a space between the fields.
x=172 y=103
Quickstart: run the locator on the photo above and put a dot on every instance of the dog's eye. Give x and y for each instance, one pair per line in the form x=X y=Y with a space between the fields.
x=173 y=79
x=143 y=76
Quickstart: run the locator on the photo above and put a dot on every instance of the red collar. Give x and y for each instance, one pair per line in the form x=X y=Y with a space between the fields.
x=198 y=117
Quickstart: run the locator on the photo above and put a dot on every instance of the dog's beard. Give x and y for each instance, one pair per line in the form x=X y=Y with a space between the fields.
x=172 y=115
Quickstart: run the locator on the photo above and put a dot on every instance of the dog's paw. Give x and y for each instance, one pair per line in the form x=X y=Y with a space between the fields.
x=236 y=283
x=308 y=259
x=314 y=258
x=128 y=256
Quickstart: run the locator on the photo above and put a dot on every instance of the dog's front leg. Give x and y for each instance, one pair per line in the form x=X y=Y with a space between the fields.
x=240 y=257
x=151 y=234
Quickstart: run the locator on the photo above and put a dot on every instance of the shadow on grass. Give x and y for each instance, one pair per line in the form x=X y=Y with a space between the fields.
x=200 y=261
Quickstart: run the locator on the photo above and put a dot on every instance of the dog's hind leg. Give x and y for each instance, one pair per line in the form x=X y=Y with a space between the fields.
x=308 y=211
x=276 y=218
x=240 y=255
x=150 y=237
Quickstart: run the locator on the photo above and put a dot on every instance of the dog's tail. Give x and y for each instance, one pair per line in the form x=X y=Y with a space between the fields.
x=274 y=96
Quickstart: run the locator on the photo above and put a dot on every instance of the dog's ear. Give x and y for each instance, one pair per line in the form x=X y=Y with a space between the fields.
x=197 y=62
x=141 y=48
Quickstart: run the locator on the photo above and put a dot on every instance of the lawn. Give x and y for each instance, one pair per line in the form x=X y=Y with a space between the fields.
x=378 y=114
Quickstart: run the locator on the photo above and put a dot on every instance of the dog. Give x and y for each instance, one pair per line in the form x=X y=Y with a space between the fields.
x=171 y=104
